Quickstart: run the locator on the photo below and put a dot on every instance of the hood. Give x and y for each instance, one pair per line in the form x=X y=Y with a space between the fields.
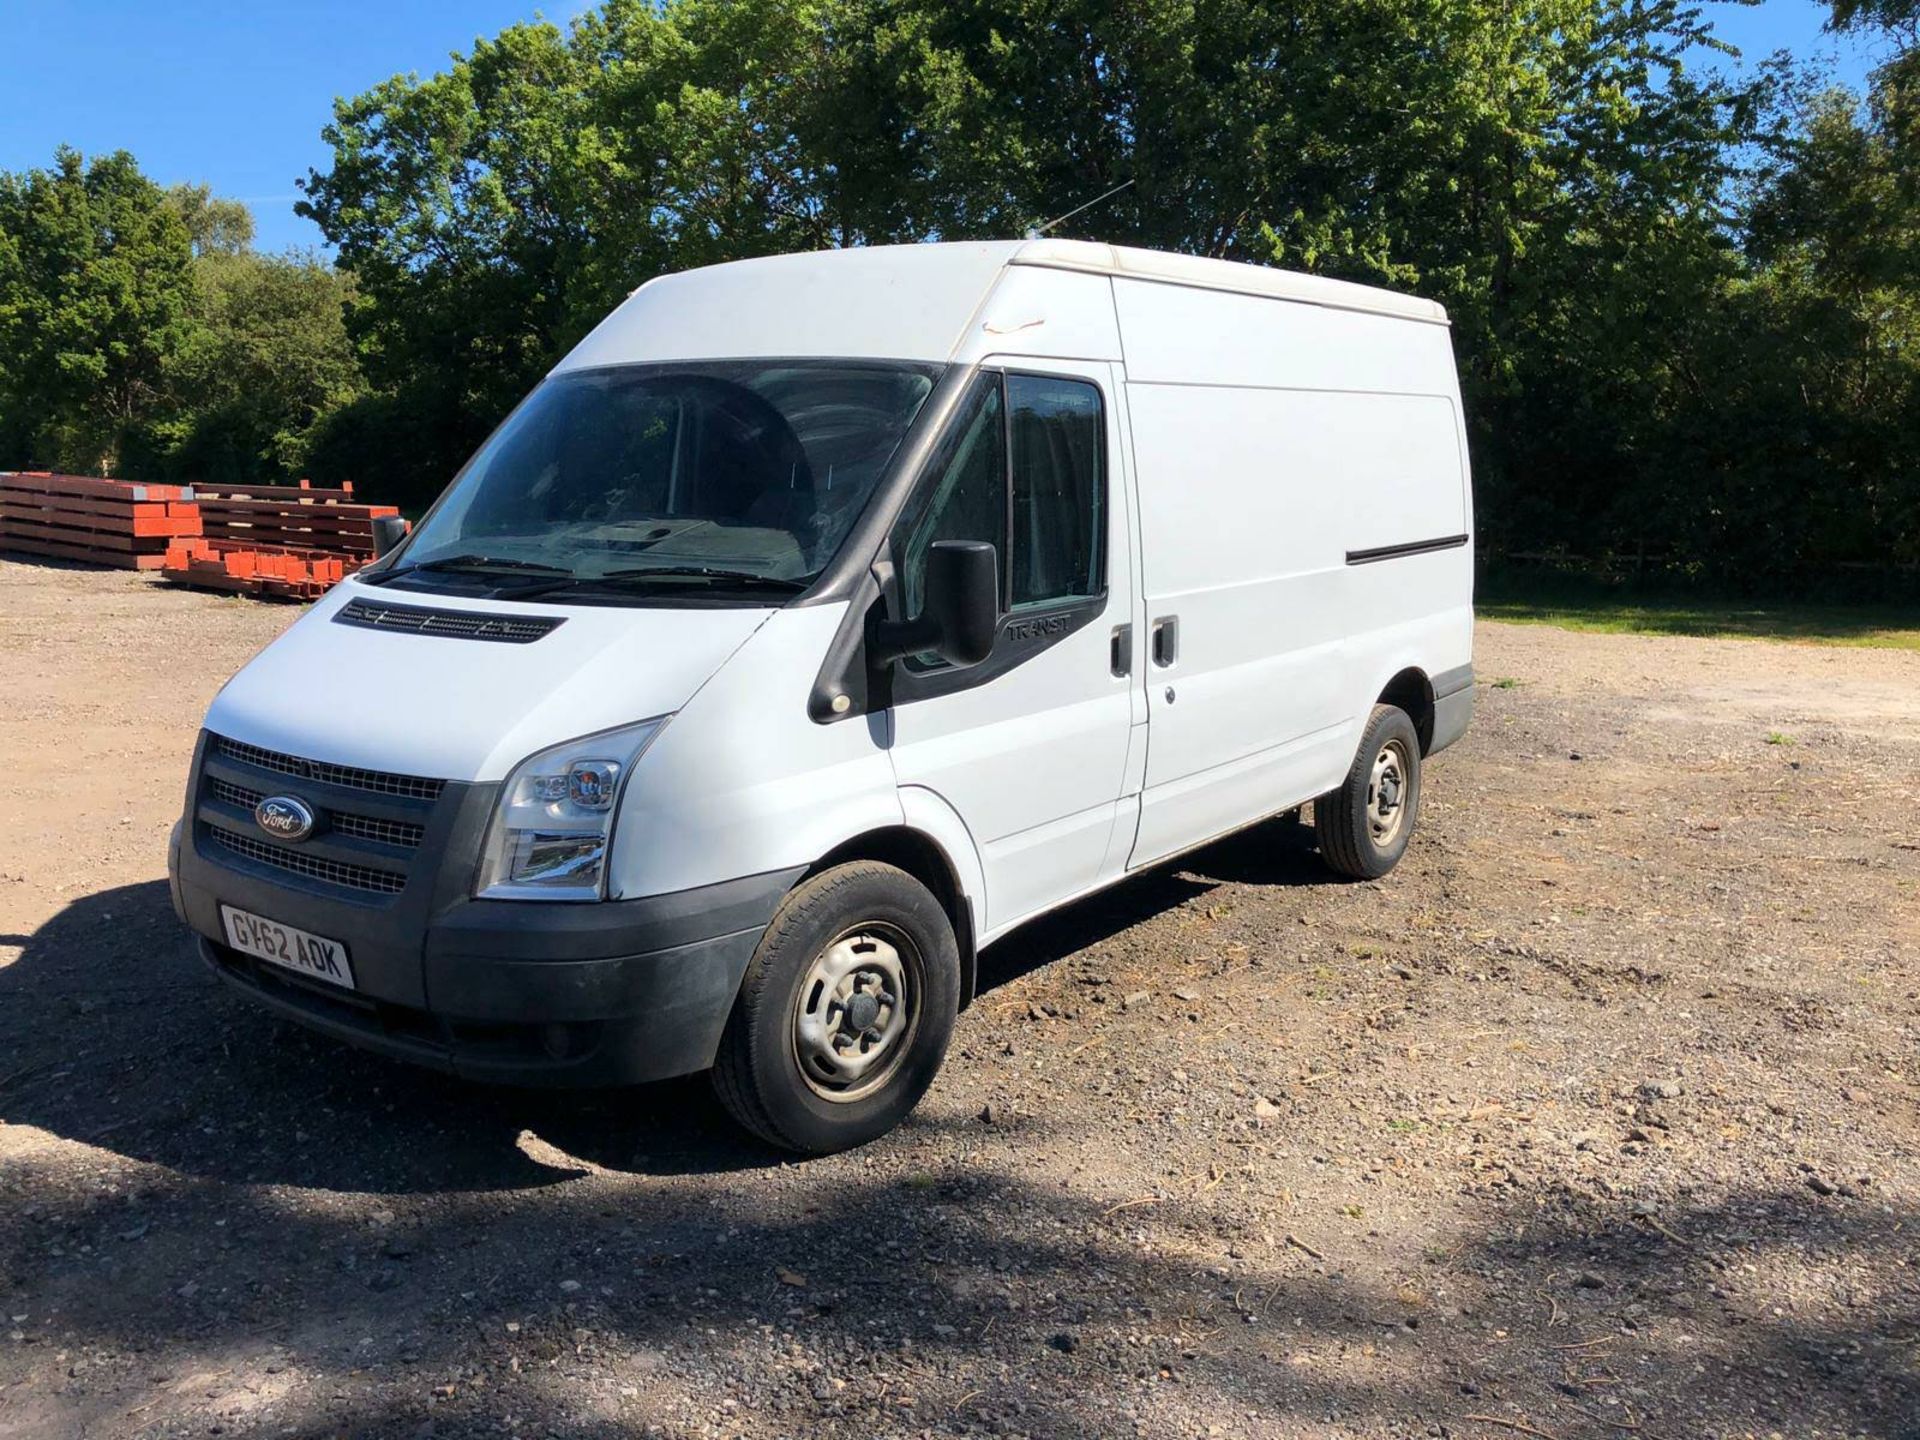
x=463 y=709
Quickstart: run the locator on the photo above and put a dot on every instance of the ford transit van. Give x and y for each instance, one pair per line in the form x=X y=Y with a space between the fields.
x=816 y=622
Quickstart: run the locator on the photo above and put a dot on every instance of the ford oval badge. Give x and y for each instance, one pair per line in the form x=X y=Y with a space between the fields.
x=284 y=818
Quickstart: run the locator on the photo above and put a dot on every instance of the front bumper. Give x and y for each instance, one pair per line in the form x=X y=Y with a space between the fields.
x=513 y=992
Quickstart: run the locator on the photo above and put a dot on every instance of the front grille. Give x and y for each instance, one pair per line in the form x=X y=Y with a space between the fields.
x=334 y=872
x=378 y=782
x=386 y=832
x=361 y=827
x=453 y=624
x=228 y=798
x=236 y=794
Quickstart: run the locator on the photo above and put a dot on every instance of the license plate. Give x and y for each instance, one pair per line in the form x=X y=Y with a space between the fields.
x=314 y=956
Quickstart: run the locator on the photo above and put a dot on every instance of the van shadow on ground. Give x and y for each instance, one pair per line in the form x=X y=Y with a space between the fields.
x=113 y=1034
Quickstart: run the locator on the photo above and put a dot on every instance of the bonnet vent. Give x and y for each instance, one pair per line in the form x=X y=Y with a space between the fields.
x=450 y=624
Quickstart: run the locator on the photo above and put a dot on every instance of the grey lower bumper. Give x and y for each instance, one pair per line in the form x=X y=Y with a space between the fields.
x=618 y=1021
x=520 y=993
x=1452 y=707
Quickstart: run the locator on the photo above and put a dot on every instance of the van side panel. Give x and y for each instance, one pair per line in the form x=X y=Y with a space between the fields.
x=1177 y=335
x=1274 y=441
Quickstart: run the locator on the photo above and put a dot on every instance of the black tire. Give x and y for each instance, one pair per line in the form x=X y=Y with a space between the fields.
x=1347 y=821
x=758 y=1073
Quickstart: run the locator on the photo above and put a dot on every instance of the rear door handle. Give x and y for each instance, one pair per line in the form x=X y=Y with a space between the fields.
x=1121 y=660
x=1166 y=640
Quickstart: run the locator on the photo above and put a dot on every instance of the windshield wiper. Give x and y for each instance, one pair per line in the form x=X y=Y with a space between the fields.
x=479 y=564
x=641 y=574
x=703 y=572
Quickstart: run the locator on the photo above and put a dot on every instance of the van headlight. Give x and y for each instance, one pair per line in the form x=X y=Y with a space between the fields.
x=554 y=823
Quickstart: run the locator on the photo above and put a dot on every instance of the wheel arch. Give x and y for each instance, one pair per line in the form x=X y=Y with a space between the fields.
x=931 y=862
x=1412 y=691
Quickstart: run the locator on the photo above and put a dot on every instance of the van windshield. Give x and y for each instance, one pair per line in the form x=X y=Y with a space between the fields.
x=720 y=478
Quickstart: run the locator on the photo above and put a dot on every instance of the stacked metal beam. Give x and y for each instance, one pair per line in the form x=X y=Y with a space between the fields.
x=290 y=542
x=281 y=572
x=303 y=516
x=100 y=522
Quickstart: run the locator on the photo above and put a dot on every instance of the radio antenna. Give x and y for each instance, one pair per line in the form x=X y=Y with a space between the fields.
x=1042 y=230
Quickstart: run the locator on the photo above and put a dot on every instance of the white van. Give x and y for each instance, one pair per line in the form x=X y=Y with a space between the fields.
x=816 y=622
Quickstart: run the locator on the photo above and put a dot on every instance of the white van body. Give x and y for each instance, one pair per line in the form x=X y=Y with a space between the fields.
x=1287 y=542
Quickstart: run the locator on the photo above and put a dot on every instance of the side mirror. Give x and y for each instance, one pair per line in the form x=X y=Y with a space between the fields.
x=960 y=618
x=388 y=531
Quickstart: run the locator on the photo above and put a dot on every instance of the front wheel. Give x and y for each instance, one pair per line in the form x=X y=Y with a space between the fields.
x=845 y=1012
x=1363 y=827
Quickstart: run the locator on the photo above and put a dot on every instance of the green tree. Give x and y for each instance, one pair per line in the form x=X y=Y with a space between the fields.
x=216 y=226
x=1540 y=170
x=455 y=201
x=96 y=303
x=1899 y=19
x=1681 y=324
x=1826 y=387
x=1554 y=174
x=141 y=335
x=272 y=362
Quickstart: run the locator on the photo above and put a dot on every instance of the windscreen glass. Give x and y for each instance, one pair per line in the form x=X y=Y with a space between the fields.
x=716 y=475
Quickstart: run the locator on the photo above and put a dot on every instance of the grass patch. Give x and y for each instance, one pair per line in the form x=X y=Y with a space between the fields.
x=1879 y=627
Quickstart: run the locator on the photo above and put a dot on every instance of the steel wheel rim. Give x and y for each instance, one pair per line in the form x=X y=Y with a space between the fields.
x=1387 y=787
x=856 y=1011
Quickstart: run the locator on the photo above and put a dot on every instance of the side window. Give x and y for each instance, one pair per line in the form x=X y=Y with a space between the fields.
x=1059 y=490
x=969 y=499
x=1025 y=470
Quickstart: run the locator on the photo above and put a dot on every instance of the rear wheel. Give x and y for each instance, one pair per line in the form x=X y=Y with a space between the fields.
x=845 y=1012
x=1364 y=826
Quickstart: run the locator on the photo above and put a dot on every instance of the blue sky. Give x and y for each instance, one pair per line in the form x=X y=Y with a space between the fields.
x=234 y=94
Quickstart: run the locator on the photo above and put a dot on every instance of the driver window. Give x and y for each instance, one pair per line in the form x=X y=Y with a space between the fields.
x=969 y=500
x=1058 y=517
x=1047 y=519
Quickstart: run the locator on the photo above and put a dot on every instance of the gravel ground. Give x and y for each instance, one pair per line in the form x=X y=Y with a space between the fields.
x=1596 y=1119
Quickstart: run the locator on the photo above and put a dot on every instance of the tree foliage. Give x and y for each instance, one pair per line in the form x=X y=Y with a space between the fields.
x=1684 y=304
x=215 y=226
x=96 y=296
x=269 y=365
x=141 y=334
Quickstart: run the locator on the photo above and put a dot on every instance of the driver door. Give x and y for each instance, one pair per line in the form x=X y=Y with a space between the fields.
x=1030 y=747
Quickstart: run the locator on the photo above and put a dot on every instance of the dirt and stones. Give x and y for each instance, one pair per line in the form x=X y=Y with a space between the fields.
x=1595 y=1119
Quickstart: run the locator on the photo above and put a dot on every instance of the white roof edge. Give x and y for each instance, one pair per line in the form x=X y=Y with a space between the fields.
x=1198 y=272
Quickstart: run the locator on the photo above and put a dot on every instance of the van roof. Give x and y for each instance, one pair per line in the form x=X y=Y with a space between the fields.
x=1201 y=273
x=1098 y=258
x=909 y=302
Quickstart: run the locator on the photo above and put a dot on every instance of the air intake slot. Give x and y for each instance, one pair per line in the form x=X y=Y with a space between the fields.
x=379 y=782
x=334 y=872
x=450 y=624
